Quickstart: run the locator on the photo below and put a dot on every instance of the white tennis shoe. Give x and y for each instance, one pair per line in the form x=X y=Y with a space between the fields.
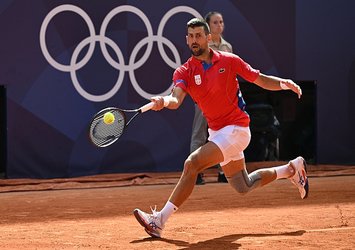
x=151 y=222
x=299 y=179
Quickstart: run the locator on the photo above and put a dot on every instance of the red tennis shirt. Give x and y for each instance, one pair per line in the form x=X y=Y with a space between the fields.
x=215 y=87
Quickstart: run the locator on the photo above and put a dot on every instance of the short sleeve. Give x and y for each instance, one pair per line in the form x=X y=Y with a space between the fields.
x=179 y=78
x=246 y=71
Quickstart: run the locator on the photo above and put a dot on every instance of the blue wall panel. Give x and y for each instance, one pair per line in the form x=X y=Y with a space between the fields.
x=54 y=87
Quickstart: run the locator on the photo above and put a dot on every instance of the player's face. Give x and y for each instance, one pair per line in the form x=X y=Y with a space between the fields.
x=197 y=40
x=216 y=24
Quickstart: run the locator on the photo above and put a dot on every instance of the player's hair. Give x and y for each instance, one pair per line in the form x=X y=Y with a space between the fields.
x=198 y=22
x=209 y=14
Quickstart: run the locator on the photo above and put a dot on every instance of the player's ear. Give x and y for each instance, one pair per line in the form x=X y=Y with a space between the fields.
x=187 y=41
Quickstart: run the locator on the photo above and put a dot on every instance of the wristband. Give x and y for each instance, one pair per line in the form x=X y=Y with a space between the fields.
x=166 y=100
x=283 y=86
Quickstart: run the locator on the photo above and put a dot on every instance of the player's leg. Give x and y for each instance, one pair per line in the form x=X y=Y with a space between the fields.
x=232 y=140
x=243 y=182
x=202 y=158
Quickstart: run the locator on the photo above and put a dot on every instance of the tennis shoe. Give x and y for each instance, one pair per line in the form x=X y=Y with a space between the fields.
x=200 y=180
x=151 y=222
x=299 y=179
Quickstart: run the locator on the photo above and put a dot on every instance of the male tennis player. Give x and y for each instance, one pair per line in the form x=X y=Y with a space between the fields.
x=199 y=133
x=209 y=77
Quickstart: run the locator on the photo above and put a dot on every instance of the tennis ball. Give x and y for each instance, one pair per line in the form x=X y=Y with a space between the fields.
x=109 y=118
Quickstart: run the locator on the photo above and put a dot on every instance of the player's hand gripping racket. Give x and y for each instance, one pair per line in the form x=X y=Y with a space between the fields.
x=102 y=134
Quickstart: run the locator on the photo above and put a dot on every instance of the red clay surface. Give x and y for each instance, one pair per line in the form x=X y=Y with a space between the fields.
x=98 y=215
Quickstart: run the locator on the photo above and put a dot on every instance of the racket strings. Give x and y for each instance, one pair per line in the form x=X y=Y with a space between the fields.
x=103 y=134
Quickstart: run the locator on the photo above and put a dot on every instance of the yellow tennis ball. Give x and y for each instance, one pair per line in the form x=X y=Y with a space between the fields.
x=109 y=118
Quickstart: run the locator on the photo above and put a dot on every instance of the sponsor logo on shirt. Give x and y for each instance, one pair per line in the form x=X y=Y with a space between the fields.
x=198 y=80
x=221 y=70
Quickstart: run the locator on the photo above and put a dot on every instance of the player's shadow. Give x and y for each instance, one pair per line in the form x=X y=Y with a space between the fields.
x=225 y=242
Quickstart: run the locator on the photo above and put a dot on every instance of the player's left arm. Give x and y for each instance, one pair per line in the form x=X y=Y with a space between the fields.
x=276 y=83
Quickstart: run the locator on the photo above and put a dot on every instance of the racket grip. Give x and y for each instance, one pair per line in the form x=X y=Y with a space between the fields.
x=150 y=105
x=147 y=107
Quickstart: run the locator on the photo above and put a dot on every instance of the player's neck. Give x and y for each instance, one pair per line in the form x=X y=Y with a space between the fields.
x=205 y=57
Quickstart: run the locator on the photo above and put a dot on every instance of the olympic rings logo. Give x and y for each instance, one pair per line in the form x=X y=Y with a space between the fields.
x=104 y=40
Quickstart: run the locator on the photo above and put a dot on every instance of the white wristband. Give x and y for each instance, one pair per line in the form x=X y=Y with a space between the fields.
x=166 y=100
x=283 y=86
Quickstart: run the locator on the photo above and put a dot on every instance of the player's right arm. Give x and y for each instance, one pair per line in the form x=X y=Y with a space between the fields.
x=177 y=96
x=172 y=101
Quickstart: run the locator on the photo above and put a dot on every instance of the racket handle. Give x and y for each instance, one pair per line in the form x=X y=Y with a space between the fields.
x=147 y=107
x=150 y=105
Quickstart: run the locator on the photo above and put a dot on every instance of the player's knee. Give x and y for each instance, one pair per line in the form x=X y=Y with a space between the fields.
x=241 y=188
x=243 y=183
x=191 y=166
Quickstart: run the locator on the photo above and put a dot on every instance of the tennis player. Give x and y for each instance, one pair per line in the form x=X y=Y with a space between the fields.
x=199 y=132
x=209 y=77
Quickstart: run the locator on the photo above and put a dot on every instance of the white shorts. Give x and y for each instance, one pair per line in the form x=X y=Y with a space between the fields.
x=232 y=140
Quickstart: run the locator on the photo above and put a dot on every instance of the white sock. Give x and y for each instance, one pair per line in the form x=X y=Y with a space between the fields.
x=167 y=211
x=283 y=172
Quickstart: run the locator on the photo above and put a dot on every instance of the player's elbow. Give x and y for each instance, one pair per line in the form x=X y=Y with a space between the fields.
x=174 y=106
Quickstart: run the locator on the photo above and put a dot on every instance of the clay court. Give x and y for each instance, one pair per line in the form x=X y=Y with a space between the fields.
x=96 y=213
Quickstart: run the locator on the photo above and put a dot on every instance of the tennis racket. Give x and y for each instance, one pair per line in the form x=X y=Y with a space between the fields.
x=103 y=135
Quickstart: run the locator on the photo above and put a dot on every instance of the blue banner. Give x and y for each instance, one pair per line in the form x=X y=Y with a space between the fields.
x=62 y=61
x=65 y=60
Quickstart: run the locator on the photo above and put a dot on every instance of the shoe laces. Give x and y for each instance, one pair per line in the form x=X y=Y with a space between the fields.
x=154 y=219
x=154 y=211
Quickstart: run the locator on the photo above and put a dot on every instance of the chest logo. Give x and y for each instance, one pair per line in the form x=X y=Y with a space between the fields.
x=221 y=70
x=198 y=80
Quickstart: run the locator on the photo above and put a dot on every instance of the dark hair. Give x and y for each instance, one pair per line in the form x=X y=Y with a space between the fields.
x=198 y=22
x=211 y=13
